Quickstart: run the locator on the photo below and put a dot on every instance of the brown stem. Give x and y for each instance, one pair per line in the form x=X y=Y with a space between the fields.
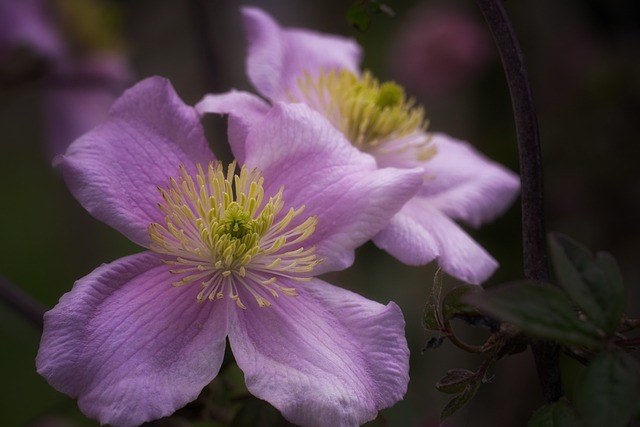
x=533 y=231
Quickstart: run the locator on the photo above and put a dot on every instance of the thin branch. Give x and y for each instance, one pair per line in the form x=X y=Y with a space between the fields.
x=21 y=303
x=533 y=229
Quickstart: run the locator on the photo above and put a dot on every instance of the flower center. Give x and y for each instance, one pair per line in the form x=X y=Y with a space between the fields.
x=372 y=115
x=220 y=232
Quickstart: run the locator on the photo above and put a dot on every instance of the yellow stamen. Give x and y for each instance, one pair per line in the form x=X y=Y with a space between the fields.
x=373 y=116
x=222 y=233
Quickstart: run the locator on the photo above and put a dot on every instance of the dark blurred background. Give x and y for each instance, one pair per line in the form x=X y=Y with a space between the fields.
x=583 y=59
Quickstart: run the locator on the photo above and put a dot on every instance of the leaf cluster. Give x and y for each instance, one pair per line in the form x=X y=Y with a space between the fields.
x=583 y=313
x=439 y=311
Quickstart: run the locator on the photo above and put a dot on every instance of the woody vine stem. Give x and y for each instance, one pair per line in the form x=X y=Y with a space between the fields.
x=533 y=229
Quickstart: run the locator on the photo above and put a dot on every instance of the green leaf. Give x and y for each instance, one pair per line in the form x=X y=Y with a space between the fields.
x=455 y=381
x=430 y=318
x=614 y=295
x=359 y=14
x=609 y=392
x=558 y=414
x=454 y=303
x=432 y=315
x=433 y=343
x=460 y=400
x=594 y=284
x=540 y=310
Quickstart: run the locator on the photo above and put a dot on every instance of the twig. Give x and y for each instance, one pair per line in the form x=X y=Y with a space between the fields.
x=533 y=230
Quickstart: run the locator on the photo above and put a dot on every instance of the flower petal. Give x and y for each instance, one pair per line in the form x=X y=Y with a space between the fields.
x=298 y=148
x=419 y=233
x=279 y=57
x=129 y=345
x=465 y=185
x=115 y=170
x=327 y=357
x=244 y=110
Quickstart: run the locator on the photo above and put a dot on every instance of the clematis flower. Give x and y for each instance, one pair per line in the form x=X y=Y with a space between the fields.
x=232 y=252
x=322 y=71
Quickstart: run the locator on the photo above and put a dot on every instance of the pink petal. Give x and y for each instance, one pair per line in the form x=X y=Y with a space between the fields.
x=420 y=233
x=115 y=170
x=279 y=57
x=328 y=357
x=299 y=149
x=129 y=345
x=244 y=110
x=465 y=185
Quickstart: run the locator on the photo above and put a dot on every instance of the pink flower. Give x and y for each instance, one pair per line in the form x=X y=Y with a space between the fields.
x=231 y=254
x=439 y=49
x=322 y=71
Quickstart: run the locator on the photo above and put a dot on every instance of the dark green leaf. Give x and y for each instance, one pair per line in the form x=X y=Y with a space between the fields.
x=359 y=13
x=455 y=381
x=358 y=18
x=594 y=284
x=613 y=297
x=454 y=304
x=609 y=392
x=432 y=315
x=460 y=400
x=558 y=414
x=433 y=343
x=430 y=318
x=539 y=310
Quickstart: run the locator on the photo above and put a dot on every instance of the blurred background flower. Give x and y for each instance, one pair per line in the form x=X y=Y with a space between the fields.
x=72 y=50
x=583 y=61
x=440 y=48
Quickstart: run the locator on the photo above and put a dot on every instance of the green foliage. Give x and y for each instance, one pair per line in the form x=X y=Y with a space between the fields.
x=454 y=302
x=558 y=414
x=361 y=12
x=432 y=319
x=609 y=392
x=470 y=390
x=455 y=381
x=439 y=310
x=437 y=315
x=594 y=284
x=584 y=314
x=539 y=310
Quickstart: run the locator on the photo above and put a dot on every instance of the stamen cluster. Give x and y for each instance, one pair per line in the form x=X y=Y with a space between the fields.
x=369 y=113
x=219 y=231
